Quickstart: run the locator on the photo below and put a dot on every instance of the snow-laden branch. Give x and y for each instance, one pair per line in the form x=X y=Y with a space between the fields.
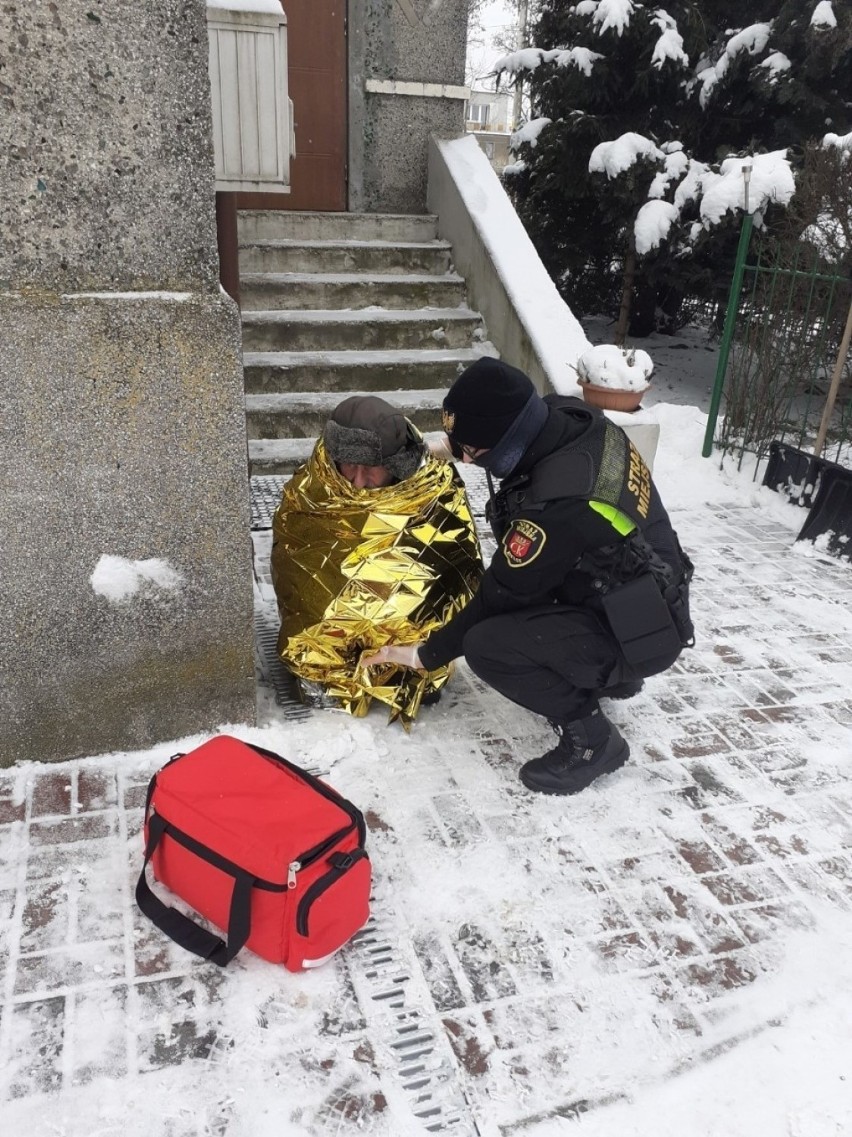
x=840 y=141
x=613 y=158
x=612 y=15
x=823 y=16
x=775 y=65
x=529 y=58
x=670 y=43
x=752 y=40
x=615 y=15
x=691 y=186
x=675 y=166
x=828 y=236
x=582 y=58
x=529 y=132
x=771 y=181
x=653 y=224
x=717 y=191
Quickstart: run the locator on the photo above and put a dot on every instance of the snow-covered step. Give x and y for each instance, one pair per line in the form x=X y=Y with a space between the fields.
x=350 y=290
x=284 y=223
x=349 y=304
x=277 y=455
x=268 y=371
x=298 y=255
x=303 y=415
x=377 y=329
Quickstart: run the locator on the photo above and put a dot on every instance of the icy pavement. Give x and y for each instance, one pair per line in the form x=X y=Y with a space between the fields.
x=666 y=954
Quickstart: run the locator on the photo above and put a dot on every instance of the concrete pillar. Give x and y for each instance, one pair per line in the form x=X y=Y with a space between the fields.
x=125 y=559
x=406 y=82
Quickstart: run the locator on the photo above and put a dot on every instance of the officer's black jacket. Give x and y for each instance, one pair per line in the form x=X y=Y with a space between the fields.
x=563 y=530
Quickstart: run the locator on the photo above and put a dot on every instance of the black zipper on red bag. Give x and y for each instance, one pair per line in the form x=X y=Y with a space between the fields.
x=305 y=859
x=314 y=854
x=341 y=863
x=321 y=788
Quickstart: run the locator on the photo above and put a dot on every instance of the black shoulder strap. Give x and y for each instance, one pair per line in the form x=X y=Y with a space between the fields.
x=572 y=470
x=182 y=929
x=567 y=473
x=600 y=465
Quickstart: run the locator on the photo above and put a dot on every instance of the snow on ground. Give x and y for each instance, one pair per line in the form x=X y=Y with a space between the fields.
x=665 y=955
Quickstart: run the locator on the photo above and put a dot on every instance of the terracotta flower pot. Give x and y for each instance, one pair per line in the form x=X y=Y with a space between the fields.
x=609 y=398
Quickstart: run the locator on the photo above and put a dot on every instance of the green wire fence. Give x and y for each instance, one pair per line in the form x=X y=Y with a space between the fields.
x=784 y=328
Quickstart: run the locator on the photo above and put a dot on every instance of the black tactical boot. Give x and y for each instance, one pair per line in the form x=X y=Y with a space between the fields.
x=625 y=690
x=587 y=748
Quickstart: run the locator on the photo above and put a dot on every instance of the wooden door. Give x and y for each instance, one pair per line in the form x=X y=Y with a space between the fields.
x=316 y=69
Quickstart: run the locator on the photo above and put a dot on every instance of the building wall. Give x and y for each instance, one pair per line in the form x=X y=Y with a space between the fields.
x=123 y=432
x=495 y=146
x=401 y=42
x=499 y=113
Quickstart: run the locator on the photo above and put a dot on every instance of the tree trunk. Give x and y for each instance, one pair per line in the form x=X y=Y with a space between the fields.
x=643 y=307
x=521 y=34
x=623 y=321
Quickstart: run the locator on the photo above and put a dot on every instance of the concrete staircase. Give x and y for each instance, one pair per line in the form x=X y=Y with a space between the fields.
x=335 y=304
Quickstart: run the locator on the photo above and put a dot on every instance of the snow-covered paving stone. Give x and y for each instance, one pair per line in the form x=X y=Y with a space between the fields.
x=667 y=953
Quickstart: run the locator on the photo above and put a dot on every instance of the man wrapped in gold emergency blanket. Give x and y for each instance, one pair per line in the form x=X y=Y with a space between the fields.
x=355 y=568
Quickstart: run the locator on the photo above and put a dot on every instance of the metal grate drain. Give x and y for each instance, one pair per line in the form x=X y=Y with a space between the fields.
x=265 y=494
x=273 y=671
x=404 y=1020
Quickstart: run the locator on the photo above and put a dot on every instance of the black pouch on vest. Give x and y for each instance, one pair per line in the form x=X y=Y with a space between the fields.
x=641 y=621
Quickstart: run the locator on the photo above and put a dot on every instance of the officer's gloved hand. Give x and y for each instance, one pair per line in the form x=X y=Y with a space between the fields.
x=405 y=656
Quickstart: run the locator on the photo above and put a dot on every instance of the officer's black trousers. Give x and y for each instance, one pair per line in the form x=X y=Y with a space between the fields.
x=551 y=660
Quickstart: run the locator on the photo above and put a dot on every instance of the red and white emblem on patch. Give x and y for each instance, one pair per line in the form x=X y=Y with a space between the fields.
x=519 y=546
x=523 y=543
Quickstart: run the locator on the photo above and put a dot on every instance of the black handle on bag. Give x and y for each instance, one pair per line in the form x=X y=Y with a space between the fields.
x=182 y=929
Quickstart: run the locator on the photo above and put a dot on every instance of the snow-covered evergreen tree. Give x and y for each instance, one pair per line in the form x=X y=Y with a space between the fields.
x=625 y=178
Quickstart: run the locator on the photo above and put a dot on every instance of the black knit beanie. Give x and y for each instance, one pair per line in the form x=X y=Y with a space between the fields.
x=364 y=430
x=494 y=406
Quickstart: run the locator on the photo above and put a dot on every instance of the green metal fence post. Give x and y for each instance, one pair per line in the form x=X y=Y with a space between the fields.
x=728 y=333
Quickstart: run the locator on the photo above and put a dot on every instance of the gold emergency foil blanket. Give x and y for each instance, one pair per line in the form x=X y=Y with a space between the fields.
x=355 y=569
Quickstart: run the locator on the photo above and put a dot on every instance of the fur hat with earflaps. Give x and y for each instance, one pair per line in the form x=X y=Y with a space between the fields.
x=364 y=430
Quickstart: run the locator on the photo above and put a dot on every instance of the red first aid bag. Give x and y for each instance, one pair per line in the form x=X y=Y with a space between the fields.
x=262 y=849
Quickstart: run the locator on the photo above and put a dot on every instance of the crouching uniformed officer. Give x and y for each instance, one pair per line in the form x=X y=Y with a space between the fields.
x=587 y=592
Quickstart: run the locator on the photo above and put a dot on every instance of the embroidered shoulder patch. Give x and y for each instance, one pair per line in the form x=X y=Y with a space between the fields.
x=523 y=543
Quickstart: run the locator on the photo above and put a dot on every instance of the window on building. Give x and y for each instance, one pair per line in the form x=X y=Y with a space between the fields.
x=478 y=113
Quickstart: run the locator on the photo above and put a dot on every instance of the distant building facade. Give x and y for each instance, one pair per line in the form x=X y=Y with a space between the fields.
x=488 y=115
